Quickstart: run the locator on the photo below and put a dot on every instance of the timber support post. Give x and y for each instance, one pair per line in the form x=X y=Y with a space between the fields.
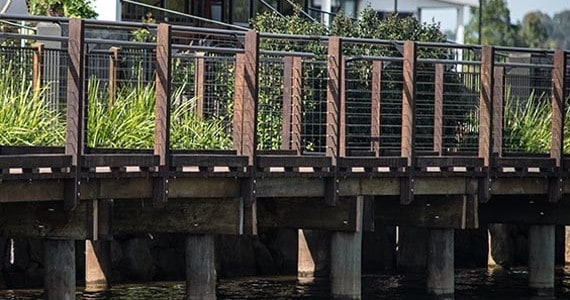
x=541 y=260
x=485 y=121
x=75 y=129
x=200 y=267
x=59 y=280
x=556 y=184
x=334 y=124
x=440 y=263
x=162 y=113
x=346 y=259
x=408 y=121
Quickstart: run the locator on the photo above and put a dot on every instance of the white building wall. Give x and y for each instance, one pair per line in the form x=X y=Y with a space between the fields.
x=108 y=10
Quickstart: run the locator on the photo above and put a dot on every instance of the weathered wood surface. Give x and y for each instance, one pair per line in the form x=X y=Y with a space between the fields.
x=222 y=216
x=307 y=213
x=429 y=211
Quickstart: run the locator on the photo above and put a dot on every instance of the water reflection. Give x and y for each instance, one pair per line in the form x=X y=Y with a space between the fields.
x=469 y=284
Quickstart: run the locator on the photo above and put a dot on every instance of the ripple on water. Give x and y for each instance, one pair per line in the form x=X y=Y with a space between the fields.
x=469 y=284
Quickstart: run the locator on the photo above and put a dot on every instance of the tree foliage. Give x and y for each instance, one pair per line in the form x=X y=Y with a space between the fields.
x=497 y=28
x=67 y=8
x=535 y=29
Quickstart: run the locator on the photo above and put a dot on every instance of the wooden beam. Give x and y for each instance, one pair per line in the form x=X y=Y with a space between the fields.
x=342 y=125
x=376 y=104
x=76 y=122
x=428 y=211
x=306 y=213
x=220 y=216
x=162 y=112
x=438 y=110
x=44 y=219
x=408 y=120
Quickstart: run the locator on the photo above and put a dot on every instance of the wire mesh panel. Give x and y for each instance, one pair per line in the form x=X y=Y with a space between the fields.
x=54 y=79
x=203 y=91
x=312 y=79
x=447 y=99
x=270 y=103
x=527 y=101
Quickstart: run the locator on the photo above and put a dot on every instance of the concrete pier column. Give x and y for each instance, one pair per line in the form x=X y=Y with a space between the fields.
x=346 y=249
x=97 y=265
x=541 y=260
x=313 y=254
x=200 y=267
x=59 y=280
x=440 y=263
x=346 y=259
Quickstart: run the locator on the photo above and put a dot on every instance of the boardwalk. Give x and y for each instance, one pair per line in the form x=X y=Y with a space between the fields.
x=328 y=133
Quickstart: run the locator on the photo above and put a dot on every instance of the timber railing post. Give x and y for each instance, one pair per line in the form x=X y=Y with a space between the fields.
x=292 y=114
x=38 y=68
x=485 y=120
x=199 y=82
x=76 y=125
x=162 y=113
x=113 y=71
x=238 y=103
x=249 y=110
x=408 y=121
x=556 y=186
x=333 y=138
x=376 y=104
x=438 y=110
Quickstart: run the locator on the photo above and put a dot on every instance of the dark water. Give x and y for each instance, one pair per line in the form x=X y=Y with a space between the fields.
x=469 y=284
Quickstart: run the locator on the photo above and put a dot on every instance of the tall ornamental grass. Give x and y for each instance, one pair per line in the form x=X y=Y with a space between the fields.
x=128 y=121
x=25 y=118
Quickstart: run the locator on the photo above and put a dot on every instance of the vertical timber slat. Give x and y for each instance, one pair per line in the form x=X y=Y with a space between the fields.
x=438 y=110
x=342 y=111
x=113 y=71
x=376 y=102
x=297 y=104
x=408 y=120
x=287 y=102
x=37 y=72
x=498 y=104
x=199 y=84
x=76 y=124
x=162 y=113
x=556 y=186
x=485 y=119
x=238 y=103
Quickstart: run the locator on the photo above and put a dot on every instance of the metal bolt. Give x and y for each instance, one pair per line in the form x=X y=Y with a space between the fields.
x=253 y=192
x=436 y=217
x=166 y=181
x=195 y=224
x=78 y=182
x=542 y=213
x=531 y=202
x=166 y=192
x=428 y=204
x=345 y=222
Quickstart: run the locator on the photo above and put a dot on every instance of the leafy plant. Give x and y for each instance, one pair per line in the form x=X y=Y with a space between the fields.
x=25 y=118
